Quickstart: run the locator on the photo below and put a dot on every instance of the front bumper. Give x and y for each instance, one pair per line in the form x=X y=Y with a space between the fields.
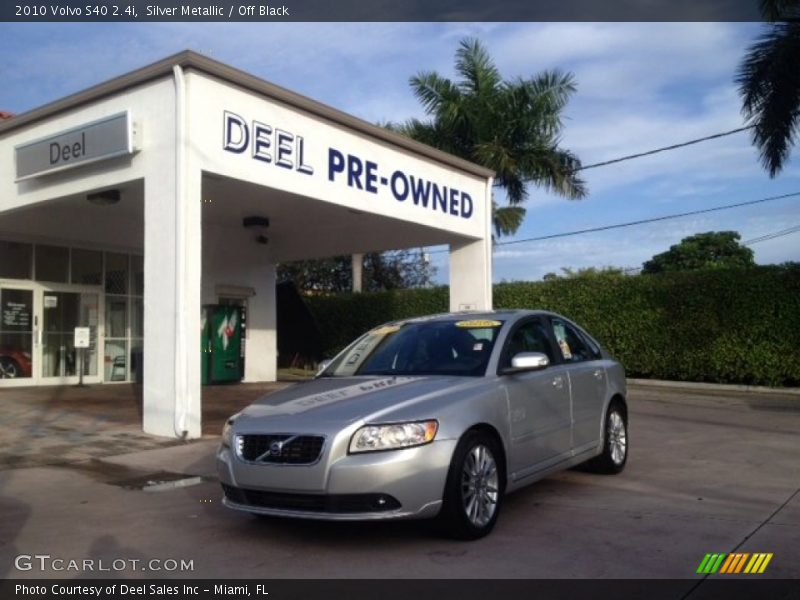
x=394 y=484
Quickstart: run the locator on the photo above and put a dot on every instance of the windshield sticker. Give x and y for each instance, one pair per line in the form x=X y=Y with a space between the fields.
x=385 y=330
x=477 y=347
x=561 y=338
x=478 y=324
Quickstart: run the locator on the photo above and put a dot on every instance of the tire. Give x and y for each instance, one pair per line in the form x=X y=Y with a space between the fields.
x=615 y=442
x=9 y=369
x=473 y=492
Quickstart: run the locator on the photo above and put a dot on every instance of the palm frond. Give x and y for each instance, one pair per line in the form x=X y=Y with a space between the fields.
x=512 y=127
x=434 y=91
x=769 y=84
x=779 y=10
x=506 y=220
x=555 y=170
x=477 y=69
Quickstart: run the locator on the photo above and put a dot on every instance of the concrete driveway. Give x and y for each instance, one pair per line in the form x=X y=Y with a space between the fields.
x=60 y=425
x=708 y=472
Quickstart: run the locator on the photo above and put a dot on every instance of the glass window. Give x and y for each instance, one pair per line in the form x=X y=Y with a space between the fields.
x=137 y=270
x=571 y=344
x=594 y=348
x=87 y=267
x=137 y=346
x=530 y=337
x=89 y=311
x=116 y=273
x=62 y=314
x=115 y=360
x=420 y=348
x=52 y=263
x=137 y=317
x=16 y=333
x=15 y=260
x=116 y=317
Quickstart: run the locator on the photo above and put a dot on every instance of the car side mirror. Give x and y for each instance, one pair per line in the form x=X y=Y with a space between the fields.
x=323 y=365
x=527 y=361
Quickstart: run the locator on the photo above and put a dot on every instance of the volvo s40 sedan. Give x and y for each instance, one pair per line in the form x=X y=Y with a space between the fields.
x=435 y=416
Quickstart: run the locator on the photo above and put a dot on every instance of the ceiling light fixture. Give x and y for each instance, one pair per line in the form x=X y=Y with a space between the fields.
x=259 y=226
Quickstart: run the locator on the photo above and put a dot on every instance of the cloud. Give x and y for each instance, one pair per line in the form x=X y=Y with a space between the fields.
x=630 y=247
x=640 y=86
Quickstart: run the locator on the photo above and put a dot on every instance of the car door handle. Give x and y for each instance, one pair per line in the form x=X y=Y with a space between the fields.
x=598 y=374
x=558 y=382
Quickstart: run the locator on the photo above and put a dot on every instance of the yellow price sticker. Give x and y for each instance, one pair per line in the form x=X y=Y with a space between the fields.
x=478 y=324
x=385 y=330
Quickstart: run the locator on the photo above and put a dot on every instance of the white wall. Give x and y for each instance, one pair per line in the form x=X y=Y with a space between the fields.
x=471 y=276
x=172 y=238
x=172 y=264
x=147 y=105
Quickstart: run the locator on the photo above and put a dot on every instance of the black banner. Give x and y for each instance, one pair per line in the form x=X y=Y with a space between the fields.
x=379 y=10
x=734 y=588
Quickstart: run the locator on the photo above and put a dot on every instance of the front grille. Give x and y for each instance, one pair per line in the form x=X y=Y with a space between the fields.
x=321 y=503
x=285 y=449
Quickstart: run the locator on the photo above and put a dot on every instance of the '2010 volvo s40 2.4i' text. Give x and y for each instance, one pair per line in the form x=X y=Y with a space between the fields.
x=431 y=416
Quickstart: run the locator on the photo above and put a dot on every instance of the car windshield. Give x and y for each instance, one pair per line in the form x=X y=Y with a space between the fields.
x=452 y=347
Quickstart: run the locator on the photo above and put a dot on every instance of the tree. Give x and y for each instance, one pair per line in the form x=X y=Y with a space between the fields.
x=585 y=273
x=711 y=250
x=512 y=127
x=769 y=84
x=382 y=271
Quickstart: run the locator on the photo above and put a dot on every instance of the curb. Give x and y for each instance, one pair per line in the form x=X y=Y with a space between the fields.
x=716 y=388
x=717 y=396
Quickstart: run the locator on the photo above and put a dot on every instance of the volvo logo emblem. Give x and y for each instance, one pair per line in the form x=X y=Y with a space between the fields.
x=274 y=452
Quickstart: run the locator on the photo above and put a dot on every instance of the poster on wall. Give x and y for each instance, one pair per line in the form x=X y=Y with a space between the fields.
x=16 y=308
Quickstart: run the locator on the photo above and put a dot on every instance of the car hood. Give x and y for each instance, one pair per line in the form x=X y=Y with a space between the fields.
x=337 y=401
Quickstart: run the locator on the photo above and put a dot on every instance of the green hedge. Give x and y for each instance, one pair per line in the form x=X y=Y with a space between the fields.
x=725 y=326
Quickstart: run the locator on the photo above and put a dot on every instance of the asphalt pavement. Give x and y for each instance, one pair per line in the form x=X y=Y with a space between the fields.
x=707 y=473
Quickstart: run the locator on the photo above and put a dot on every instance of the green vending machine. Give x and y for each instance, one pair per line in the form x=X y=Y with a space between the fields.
x=222 y=336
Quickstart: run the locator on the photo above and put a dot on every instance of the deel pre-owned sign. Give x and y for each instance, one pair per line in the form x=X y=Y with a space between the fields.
x=268 y=144
x=99 y=140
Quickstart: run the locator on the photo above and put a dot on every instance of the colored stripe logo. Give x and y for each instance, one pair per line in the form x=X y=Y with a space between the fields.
x=729 y=564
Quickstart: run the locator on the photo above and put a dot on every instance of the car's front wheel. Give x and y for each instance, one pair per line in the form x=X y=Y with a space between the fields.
x=474 y=490
x=615 y=441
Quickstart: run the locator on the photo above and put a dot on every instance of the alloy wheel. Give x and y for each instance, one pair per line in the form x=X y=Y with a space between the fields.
x=617 y=437
x=479 y=485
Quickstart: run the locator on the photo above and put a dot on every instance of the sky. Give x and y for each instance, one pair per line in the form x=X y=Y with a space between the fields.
x=640 y=86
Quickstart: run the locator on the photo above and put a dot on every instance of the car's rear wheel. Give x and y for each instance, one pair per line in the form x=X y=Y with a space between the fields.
x=474 y=490
x=615 y=441
x=9 y=369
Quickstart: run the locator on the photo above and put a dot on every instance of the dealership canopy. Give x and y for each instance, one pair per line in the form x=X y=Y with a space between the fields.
x=127 y=207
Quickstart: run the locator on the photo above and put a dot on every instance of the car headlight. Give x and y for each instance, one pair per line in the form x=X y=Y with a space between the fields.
x=392 y=436
x=227 y=432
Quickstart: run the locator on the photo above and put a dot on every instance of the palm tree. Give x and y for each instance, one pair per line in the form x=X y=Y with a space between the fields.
x=512 y=127
x=769 y=83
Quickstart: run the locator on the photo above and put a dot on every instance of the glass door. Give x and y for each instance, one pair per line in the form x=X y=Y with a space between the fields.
x=62 y=312
x=16 y=334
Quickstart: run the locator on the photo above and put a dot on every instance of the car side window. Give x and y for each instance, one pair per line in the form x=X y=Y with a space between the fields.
x=529 y=337
x=572 y=346
x=593 y=346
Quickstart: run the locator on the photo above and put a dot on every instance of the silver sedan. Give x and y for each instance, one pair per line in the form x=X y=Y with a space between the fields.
x=436 y=416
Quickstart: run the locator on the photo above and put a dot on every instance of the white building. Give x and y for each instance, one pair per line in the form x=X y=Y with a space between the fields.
x=122 y=209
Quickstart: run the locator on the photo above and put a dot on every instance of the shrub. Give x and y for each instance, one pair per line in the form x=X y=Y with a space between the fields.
x=721 y=325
